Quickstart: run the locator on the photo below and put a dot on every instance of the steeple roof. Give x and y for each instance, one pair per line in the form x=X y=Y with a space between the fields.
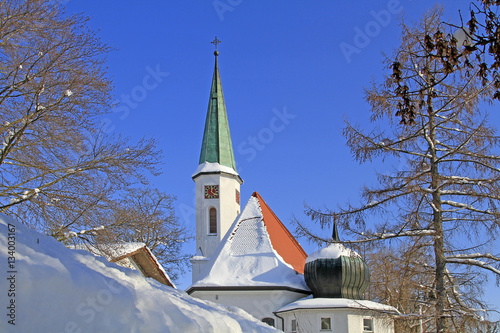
x=258 y=251
x=216 y=146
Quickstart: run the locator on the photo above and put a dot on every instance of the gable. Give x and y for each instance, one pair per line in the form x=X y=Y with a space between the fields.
x=257 y=251
x=282 y=240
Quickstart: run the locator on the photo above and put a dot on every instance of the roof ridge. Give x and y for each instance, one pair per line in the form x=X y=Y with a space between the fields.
x=295 y=256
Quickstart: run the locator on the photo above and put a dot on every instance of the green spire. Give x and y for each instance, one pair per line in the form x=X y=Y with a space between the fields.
x=217 y=146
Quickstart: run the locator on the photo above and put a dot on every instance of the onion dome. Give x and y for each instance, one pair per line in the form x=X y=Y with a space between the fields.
x=336 y=272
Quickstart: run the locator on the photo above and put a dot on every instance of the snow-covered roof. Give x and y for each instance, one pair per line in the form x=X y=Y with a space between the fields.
x=332 y=251
x=138 y=252
x=208 y=167
x=58 y=289
x=112 y=251
x=336 y=303
x=257 y=251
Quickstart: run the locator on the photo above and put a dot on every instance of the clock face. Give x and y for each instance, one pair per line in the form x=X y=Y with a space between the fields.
x=211 y=191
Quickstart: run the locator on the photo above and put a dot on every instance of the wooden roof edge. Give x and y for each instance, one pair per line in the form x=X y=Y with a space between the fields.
x=153 y=259
x=126 y=255
x=160 y=269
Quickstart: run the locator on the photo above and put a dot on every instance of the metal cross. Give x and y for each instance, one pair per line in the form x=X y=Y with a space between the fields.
x=216 y=42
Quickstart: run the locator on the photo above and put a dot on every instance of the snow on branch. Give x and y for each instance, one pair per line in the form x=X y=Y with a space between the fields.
x=456 y=295
x=474 y=262
x=468 y=207
x=408 y=233
x=71 y=234
x=475 y=256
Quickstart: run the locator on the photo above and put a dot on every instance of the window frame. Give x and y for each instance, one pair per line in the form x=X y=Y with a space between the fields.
x=370 y=330
x=274 y=321
x=329 y=324
x=214 y=224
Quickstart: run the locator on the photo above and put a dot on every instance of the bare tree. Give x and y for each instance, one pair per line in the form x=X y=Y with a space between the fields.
x=446 y=190
x=148 y=216
x=60 y=172
x=56 y=163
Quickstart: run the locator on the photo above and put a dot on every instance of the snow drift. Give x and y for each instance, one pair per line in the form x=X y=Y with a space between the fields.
x=46 y=287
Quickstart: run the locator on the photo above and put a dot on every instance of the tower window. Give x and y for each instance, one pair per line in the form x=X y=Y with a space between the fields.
x=269 y=321
x=294 y=325
x=212 y=228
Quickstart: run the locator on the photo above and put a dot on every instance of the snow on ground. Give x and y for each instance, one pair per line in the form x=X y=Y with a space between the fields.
x=46 y=287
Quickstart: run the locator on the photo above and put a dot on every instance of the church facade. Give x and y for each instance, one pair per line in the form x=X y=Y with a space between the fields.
x=246 y=257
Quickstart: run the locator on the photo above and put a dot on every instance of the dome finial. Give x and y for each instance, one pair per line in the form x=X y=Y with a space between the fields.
x=335 y=233
x=216 y=42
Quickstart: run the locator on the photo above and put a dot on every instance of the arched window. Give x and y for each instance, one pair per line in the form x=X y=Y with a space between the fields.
x=269 y=321
x=212 y=227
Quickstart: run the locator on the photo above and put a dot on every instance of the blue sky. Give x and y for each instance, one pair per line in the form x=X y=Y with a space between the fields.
x=289 y=75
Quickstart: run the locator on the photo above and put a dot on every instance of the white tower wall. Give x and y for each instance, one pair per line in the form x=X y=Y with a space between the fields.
x=227 y=210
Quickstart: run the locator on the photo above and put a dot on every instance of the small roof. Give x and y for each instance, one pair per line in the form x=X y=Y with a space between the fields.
x=217 y=146
x=257 y=251
x=336 y=303
x=138 y=252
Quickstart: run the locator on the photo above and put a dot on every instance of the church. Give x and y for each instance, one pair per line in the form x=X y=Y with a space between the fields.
x=247 y=258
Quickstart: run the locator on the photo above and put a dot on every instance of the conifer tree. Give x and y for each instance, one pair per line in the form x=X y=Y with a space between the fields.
x=445 y=194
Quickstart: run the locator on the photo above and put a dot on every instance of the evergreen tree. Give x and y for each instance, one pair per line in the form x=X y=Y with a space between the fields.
x=445 y=194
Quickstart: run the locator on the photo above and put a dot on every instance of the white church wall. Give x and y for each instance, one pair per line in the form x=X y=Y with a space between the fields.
x=309 y=321
x=341 y=321
x=259 y=303
x=381 y=322
x=197 y=267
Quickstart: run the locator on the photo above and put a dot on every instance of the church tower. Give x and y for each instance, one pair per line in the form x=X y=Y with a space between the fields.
x=217 y=181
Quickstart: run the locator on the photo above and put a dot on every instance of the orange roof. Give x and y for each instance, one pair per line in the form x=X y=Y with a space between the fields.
x=282 y=240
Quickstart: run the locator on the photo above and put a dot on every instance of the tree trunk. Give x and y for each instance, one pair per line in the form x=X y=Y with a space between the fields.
x=438 y=224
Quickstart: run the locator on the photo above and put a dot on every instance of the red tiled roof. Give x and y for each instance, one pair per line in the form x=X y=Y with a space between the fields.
x=282 y=240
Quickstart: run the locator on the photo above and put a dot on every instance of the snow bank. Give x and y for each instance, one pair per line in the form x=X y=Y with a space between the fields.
x=332 y=251
x=50 y=288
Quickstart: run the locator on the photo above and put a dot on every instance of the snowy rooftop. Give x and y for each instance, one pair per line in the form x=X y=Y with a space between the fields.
x=111 y=251
x=138 y=252
x=332 y=251
x=208 y=167
x=257 y=251
x=62 y=290
x=339 y=303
